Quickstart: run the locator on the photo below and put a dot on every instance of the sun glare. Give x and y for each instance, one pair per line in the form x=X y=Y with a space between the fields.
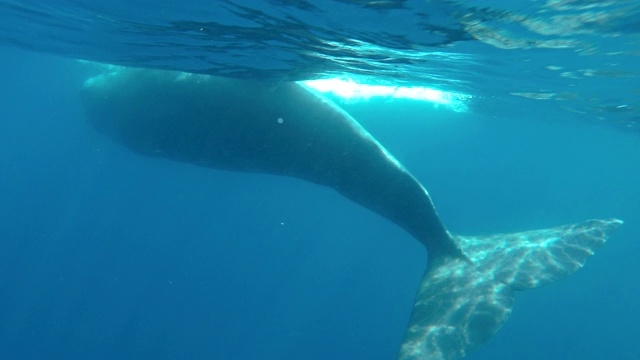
x=350 y=89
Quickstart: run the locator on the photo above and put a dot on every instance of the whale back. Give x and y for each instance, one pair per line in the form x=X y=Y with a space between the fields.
x=275 y=128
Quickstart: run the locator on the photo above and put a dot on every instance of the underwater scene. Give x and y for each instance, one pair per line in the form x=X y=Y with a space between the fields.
x=339 y=179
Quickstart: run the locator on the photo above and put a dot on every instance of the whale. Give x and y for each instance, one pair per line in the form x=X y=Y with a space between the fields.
x=467 y=290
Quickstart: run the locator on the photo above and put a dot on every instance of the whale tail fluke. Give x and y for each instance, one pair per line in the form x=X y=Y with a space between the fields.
x=463 y=301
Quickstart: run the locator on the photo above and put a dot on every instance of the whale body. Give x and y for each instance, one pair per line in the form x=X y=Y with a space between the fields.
x=466 y=292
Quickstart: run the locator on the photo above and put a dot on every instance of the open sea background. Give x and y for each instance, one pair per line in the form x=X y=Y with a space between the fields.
x=105 y=254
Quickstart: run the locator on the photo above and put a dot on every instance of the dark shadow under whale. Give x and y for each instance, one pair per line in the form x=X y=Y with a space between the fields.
x=466 y=292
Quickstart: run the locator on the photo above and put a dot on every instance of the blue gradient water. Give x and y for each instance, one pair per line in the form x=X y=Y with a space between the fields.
x=105 y=254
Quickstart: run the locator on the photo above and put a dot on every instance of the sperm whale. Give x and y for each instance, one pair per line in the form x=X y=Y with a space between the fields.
x=467 y=290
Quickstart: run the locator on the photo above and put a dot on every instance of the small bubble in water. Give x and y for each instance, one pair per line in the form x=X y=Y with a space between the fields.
x=280 y=120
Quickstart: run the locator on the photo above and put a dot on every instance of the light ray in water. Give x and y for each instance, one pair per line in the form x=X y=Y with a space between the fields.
x=350 y=89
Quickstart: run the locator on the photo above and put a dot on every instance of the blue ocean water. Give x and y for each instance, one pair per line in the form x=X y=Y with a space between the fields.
x=107 y=254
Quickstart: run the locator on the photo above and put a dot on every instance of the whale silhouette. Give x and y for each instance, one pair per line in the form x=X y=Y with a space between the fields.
x=467 y=290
